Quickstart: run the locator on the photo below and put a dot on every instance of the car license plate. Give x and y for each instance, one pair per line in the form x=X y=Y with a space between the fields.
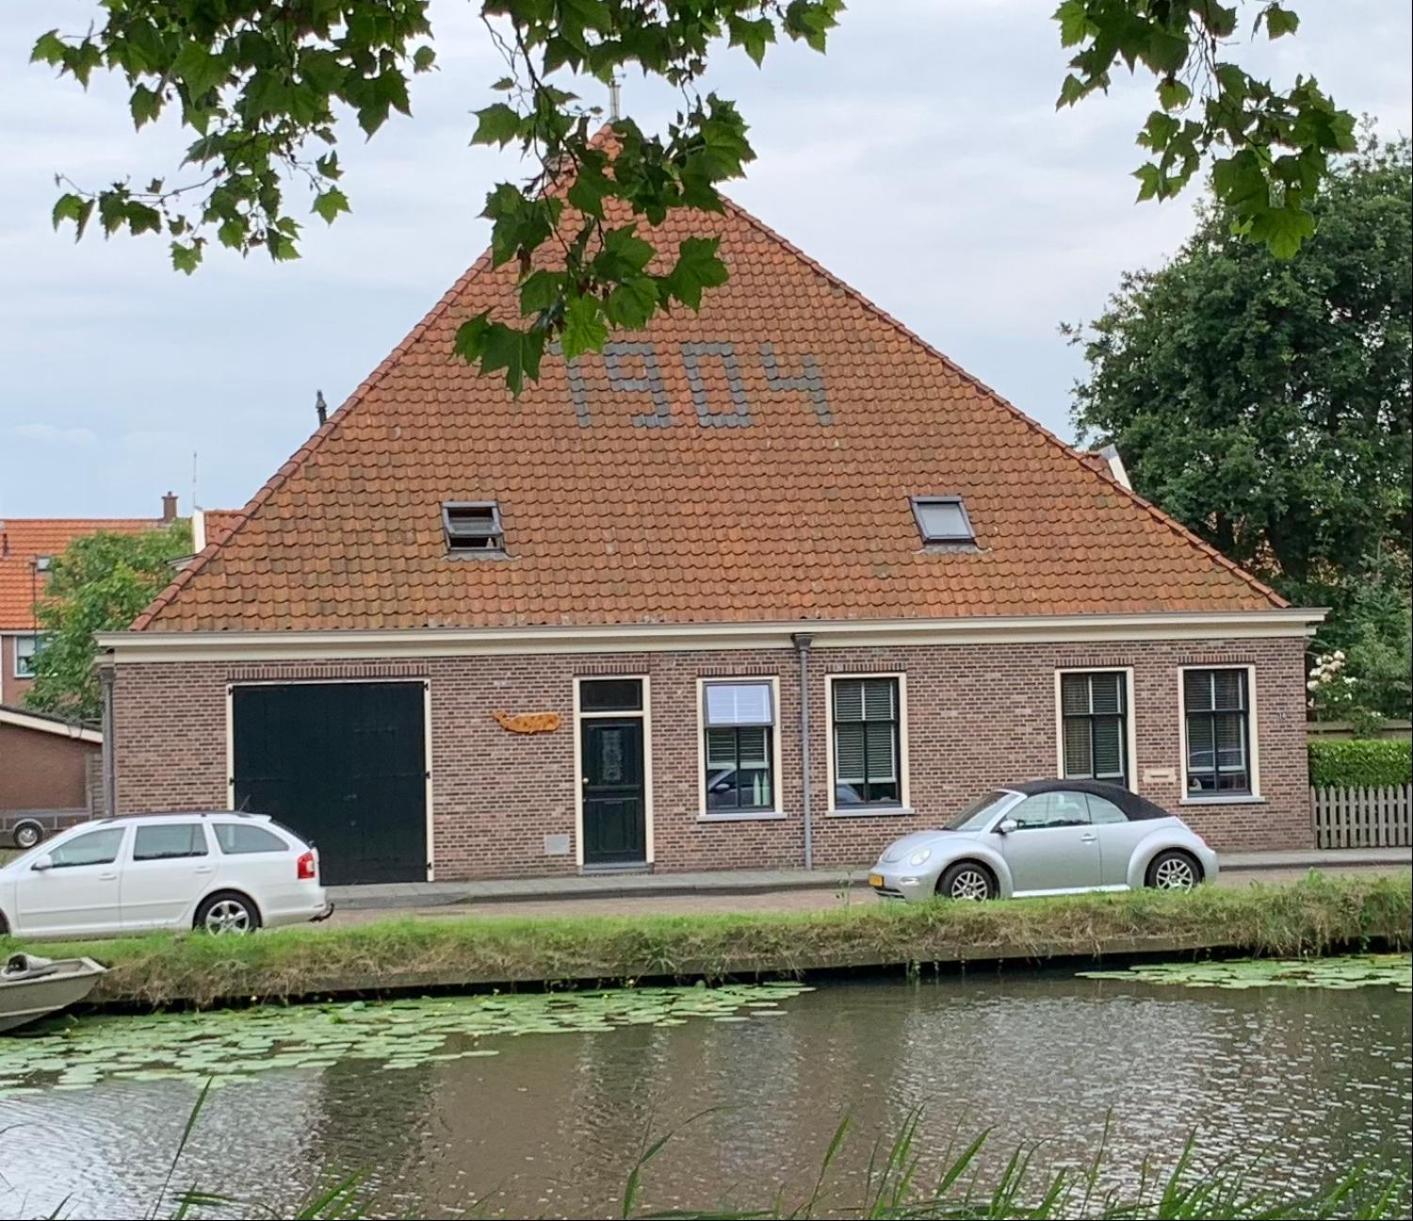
x=876 y=880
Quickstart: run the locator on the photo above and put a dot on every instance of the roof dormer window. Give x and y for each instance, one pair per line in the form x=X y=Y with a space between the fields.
x=473 y=528
x=943 y=519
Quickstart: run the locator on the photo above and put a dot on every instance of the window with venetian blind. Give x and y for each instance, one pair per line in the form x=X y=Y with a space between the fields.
x=1217 y=706
x=1094 y=726
x=739 y=723
x=867 y=750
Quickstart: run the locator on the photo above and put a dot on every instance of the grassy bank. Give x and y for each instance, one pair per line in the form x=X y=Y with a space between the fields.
x=1314 y=916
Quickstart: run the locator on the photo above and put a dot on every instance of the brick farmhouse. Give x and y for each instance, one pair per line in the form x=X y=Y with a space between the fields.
x=765 y=585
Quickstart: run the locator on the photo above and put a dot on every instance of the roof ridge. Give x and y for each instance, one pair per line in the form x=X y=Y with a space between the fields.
x=309 y=448
x=10 y=522
x=1034 y=425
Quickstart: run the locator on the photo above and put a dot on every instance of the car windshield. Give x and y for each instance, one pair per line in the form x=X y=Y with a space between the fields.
x=980 y=812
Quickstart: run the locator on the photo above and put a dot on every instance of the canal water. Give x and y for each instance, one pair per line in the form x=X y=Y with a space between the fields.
x=441 y=1115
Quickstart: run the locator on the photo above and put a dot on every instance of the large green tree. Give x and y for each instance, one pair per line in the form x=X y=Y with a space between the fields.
x=1266 y=404
x=98 y=584
x=262 y=86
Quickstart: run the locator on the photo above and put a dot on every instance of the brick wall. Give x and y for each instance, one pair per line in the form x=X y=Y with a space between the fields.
x=978 y=716
x=42 y=771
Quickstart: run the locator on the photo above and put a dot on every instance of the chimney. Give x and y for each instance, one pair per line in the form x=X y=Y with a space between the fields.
x=1110 y=454
x=169 y=508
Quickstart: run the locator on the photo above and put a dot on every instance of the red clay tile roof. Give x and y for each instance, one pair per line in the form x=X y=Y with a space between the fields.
x=650 y=486
x=24 y=539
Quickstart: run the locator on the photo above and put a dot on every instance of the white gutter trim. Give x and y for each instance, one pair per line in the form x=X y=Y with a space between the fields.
x=333 y=645
x=64 y=729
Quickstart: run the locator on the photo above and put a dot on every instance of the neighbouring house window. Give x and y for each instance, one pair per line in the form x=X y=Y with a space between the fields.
x=867 y=767
x=739 y=723
x=1217 y=706
x=1094 y=724
x=26 y=650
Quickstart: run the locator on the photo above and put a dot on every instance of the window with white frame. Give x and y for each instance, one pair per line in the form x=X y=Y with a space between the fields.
x=26 y=650
x=1217 y=708
x=867 y=742
x=738 y=724
x=1094 y=725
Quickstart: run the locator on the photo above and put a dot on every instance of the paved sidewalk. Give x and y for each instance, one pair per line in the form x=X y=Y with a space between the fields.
x=408 y=895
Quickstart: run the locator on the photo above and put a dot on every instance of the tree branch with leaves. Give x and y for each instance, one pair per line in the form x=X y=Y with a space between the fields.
x=99 y=583
x=262 y=85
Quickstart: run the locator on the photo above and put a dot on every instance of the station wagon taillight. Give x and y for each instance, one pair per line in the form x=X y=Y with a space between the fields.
x=306 y=869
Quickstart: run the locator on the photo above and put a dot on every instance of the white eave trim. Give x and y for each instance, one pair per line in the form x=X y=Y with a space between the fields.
x=323 y=645
x=63 y=729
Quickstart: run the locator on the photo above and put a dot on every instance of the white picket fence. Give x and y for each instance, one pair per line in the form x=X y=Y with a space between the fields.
x=1363 y=818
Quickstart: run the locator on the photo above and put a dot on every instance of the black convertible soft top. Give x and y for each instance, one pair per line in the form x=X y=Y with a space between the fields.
x=1130 y=803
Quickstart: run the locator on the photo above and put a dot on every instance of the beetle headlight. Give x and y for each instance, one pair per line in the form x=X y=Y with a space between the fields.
x=920 y=857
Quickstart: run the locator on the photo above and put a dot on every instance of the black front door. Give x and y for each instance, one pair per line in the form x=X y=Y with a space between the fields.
x=614 y=818
x=343 y=765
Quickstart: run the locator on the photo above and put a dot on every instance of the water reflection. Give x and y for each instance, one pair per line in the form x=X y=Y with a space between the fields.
x=1314 y=1079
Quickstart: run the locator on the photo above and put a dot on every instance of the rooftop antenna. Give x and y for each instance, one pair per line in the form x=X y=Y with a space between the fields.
x=614 y=113
x=321 y=408
x=194 y=500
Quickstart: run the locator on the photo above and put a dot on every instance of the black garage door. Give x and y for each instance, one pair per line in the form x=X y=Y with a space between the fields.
x=344 y=765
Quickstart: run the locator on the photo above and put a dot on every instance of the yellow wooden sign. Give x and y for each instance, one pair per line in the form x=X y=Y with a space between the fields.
x=527 y=722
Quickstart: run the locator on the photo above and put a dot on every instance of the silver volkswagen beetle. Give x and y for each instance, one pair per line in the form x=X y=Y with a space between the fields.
x=1046 y=837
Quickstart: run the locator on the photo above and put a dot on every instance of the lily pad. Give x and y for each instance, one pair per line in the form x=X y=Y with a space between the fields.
x=1341 y=974
x=228 y=1046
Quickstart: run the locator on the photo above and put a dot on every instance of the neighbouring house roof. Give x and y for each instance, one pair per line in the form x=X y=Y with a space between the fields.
x=753 y=462
x=210 y=526
x=24 y=540
x=24 y=718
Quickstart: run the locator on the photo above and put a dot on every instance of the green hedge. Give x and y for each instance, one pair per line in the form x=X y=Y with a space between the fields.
x=1361 y=763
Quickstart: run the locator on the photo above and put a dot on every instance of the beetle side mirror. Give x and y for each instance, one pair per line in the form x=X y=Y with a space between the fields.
x=1006 y=826
x=42 y=862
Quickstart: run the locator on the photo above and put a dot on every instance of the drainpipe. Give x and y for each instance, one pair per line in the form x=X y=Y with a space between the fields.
x=802 y=648
x=110 y=768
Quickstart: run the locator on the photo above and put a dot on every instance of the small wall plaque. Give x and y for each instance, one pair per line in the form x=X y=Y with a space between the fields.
x=556 y=845
x=1159 y=775
x=527 y=722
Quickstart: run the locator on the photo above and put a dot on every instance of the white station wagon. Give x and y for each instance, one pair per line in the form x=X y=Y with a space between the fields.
x=223 y=872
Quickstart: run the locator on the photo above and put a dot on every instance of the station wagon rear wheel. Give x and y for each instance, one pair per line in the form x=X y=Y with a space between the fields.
x=227 y=914
x=1174 y=870
x=967 y=881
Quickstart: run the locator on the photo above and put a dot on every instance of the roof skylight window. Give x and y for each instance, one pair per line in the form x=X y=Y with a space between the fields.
x=473 y=528
x=943 y=519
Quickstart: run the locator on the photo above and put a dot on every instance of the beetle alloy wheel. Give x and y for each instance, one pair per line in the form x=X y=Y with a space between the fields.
x=1175 y=873
x=970 y=884
x=227 y=917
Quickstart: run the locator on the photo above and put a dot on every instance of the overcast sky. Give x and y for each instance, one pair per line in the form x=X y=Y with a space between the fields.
x=922 y=160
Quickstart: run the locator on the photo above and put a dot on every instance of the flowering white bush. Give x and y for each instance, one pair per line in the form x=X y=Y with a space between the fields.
x=1327 y=674
x=1335 y=695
